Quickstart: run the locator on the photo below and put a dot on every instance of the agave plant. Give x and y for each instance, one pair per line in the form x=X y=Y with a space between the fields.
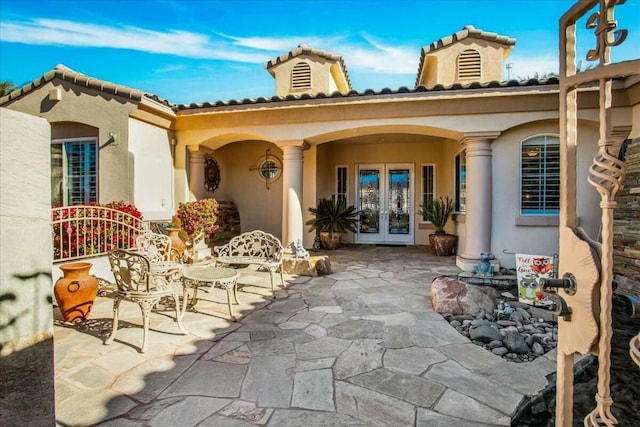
x=333 y=216
x=438 y=211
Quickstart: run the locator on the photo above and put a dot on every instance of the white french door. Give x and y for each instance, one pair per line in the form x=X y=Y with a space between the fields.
x=385 y=194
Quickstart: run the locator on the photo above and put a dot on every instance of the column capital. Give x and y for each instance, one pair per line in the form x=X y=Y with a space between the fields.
x=193 y=148
x=470 y=138
x=293 y=143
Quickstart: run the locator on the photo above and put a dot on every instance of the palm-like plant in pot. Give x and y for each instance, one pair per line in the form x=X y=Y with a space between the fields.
x=438 y=211
x=332 y=218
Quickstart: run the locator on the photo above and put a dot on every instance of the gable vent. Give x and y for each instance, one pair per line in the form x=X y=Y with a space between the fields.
x=469 y=65
x=301 y=76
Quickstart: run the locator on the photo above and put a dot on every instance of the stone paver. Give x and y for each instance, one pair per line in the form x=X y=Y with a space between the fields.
x=267 y=382
x=361 y=356
x=360 y=347
x=313 y=390
x=374 y=408
x=414 y=361
x=406 y=387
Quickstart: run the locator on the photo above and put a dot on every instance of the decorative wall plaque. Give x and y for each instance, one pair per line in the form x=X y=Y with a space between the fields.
x=211 y=175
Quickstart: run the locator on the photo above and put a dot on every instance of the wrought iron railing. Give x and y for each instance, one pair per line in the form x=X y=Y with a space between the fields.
x=86 y=231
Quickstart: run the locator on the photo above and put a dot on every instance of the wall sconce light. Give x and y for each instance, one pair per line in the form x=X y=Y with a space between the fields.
x=113 y=140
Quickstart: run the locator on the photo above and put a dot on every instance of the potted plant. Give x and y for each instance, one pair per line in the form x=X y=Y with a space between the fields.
x=438 y=211
x=332 y=218
x=198 y=218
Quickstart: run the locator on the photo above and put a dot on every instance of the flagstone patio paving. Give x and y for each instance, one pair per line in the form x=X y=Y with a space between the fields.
x=360 y=347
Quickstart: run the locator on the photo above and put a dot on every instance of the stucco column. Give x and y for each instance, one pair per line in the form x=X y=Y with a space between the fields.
x=292 y=224
x=196 y=172
x=477 y=237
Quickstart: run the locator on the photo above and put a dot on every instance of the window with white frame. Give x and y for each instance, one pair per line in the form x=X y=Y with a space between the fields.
x=461 y=181
x=428 y=174
x=342 y=183
x=74 y=171
x=540 y=176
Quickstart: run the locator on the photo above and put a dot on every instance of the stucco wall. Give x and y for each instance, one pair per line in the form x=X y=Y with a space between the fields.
x=26 y=320
x=321 y=78
x=540 y=239
x=106 y=113
x=491 y=54
x=26 y=237
x=260 y=208
x=152 y=164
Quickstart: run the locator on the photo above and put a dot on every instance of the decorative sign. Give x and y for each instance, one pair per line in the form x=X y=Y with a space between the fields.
x=211 y=175
x=530 y=269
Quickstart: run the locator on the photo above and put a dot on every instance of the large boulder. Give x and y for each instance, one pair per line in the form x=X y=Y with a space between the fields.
x=453 y=296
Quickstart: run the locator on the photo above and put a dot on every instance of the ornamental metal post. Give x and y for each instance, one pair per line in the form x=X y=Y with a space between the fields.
x=591 y=262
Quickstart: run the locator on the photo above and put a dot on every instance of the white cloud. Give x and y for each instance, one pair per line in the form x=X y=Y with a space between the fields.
x=366 y=54
x=170 y=68
x=274 y=44
x=174 y=42
x=380 y=58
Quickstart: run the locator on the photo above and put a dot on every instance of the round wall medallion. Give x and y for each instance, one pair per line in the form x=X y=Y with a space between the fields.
x=211 y=175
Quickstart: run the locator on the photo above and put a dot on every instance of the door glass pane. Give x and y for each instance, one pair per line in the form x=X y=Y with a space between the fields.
x=369 y=189
x=399 y=201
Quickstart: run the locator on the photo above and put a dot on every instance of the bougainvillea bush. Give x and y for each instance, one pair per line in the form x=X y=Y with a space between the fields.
x=94 y=229
x=198 y=216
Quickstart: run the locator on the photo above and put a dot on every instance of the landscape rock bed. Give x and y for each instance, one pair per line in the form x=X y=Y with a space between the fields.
x=522 y=336
x=486 y=311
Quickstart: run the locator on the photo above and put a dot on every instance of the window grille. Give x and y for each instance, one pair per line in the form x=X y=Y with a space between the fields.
x=540 y=176
x=427 y=185
x=461 y=181
x=341 y=184
x=301 y=76
x=74 y=172
x=469 y=66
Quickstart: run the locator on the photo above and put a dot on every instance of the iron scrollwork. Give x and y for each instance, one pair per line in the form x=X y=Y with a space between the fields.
x=211 y=175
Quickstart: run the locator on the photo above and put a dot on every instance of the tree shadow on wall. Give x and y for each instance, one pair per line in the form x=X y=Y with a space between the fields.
x=27 y=385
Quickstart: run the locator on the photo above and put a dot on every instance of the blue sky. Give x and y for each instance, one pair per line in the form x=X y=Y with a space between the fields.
x=198 y=50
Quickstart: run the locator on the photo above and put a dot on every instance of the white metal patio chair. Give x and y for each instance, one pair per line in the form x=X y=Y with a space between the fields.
x=157 y=247
x=137 y=283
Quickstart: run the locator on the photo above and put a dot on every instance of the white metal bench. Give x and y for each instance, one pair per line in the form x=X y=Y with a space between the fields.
x=253 y=247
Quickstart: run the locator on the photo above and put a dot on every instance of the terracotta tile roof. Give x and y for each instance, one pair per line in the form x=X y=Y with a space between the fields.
x=308 y=50
x=467 y=31
x=64 y=73
x=370 y=92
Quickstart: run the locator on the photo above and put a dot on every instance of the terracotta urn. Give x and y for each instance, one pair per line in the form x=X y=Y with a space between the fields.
x=176 y=241
x=330 y=241
x=443 y=244
x=76 y=291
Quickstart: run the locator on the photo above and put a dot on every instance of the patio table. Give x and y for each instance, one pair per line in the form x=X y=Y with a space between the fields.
x=226 y=278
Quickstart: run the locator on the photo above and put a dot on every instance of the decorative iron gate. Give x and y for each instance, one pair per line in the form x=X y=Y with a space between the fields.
x=586 y=263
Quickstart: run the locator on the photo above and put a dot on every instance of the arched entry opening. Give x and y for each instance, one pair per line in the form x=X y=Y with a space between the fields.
x=387 y=174
x=250 y=177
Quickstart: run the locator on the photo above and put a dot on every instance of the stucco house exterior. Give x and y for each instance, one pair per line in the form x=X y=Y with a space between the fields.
x=462 y=132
